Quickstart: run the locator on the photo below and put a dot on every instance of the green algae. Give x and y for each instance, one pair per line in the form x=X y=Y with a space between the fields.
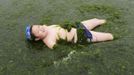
x=19 y=57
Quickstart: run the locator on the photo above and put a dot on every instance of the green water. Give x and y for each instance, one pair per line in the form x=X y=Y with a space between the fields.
x=19 y=57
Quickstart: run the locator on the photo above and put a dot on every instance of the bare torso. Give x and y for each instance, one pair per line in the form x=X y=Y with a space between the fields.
x=56 y=33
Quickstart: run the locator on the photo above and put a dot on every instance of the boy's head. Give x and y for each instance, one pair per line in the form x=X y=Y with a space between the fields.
x=35 y=32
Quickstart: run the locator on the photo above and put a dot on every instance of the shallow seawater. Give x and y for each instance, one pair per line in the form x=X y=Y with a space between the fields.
x=19 y=57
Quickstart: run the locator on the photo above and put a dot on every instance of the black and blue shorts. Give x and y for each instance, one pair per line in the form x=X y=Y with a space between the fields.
x=83 y=34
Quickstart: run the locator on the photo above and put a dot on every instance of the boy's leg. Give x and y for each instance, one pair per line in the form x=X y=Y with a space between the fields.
x=101 y=36
x=92 y=23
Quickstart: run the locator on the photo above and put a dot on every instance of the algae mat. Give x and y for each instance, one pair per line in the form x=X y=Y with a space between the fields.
x=19 y=57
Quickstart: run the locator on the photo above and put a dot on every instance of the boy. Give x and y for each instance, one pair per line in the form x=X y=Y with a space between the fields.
x=82 y=33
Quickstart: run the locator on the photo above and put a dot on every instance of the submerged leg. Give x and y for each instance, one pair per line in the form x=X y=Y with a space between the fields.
x=92 y=23
x=101 y=36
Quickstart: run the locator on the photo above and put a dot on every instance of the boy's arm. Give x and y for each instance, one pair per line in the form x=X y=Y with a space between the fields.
x=72 y=35
x=49 y=42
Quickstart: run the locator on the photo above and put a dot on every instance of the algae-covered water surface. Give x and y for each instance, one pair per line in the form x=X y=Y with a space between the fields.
x=19 y=57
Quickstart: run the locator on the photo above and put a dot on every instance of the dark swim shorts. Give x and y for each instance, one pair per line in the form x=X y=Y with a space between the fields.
x=83 y=34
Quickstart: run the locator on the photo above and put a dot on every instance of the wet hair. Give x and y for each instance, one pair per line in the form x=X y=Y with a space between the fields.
x=32 y=35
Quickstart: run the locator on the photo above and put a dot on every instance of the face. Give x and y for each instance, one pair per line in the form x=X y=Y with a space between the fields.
x=39 y=31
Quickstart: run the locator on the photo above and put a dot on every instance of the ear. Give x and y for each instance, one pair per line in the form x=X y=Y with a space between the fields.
x=37 y=39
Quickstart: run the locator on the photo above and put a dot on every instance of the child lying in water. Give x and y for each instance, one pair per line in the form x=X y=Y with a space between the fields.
x=82 y=33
